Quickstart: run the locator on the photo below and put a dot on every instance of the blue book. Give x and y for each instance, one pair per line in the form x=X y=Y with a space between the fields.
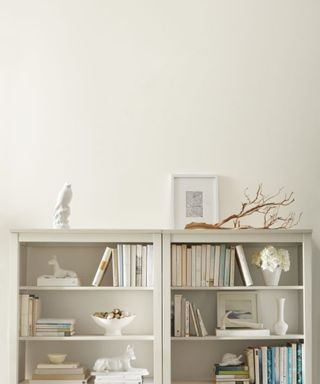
x=269 y=365
x=289 y=373
x=299 y=364
x=222 y=264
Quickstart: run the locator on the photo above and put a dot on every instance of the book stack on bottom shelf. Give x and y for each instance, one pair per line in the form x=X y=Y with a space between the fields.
x=135 y=376
x=60 y=373
x=231 y=374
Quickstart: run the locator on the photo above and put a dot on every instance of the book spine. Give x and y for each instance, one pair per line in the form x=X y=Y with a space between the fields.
x=144 y=266
x=277 y=365
x=173 y=265
x=208 y=263
x=126 y=265
x=177 y=315
x=24 y=315
x=187 y=319
x=120 y=264
x=211 y=271
x=232 y=265
x=149 y=265
x=203 y=264
x=183 y=313
x=216 y=266
x=227 y=268
x=30 y=315
x=243 y=265
x=179 y=266
x=257 y=366
x=299 y=364
x=202 y=326
x=222 y=264
x=289 y=374
x=139 y=266
x=281 y=366
x=193 y=265
x=193 y=317
x=115 y=272
x=104 y=262
x=269 y=365
x=198 y=266
x=35 y=314
x=294 y=362
x=133 y=265
x=189 y=267
x=264 y=360
x=184 y=265
x=250 y=359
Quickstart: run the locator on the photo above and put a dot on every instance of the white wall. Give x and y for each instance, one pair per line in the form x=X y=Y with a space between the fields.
x=116 y=95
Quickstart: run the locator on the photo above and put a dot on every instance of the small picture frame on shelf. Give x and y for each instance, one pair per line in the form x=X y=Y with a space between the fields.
x=242 y=305
x=194 y=199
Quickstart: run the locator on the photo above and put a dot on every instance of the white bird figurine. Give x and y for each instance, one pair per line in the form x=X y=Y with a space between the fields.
x=62 y=209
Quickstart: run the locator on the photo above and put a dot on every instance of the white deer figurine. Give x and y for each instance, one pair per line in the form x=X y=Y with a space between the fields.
x=58 y=271
x=119 y=363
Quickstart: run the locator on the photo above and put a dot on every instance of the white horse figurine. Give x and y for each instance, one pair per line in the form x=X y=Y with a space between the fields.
x=58 y=271
x=119 y=363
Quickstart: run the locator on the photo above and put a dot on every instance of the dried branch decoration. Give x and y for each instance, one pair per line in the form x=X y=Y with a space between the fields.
x=267 y=205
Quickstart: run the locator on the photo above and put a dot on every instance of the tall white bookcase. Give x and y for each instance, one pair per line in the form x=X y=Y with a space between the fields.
x=191 y=359
x=81 y=251
x=169 y=359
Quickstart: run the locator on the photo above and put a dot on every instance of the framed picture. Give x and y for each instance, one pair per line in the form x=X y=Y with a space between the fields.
x=242 y=305
x=194 y=199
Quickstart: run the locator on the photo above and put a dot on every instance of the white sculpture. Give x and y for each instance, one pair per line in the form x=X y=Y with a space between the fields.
x=120 y=363
x=231 y=359
x=62 y=209
x=58 y=271
x=238 y=323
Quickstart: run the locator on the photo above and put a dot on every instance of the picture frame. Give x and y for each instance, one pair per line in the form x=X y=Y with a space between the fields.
x=244 y=306
x=194 y=199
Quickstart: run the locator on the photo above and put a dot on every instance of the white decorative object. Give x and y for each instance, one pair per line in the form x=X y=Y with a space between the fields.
x=119 y=363
x=113 y=327
x=231 y=359
x=226 y=322
x=57 y=358
x=60 y=278
x=280 y=327
x=58 y=271
x=194 y=199
x=272 y=261
x=62 y=209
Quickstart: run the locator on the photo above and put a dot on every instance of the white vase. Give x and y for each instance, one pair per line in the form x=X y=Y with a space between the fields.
x=271 y=278
x=280 y=327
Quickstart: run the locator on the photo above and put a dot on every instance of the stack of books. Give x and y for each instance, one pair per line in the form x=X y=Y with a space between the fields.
x=187 y=319
x=231 y=374
x=278 y=364
x=29 y=314
x=124 y=377
x=48 y=373
x=207 y=265
x=55 y=327
x=132 y=265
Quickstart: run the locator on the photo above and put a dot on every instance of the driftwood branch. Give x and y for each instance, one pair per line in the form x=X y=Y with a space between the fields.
x=267 y=205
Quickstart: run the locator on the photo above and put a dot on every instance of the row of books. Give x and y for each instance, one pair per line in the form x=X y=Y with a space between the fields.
x=231 y=374
x=187 y=319
x=121 y=377
x=55 y=327
x=207 y=265
x=132 y=265
x=69 y=372
x=276 y=365
x=29 y=314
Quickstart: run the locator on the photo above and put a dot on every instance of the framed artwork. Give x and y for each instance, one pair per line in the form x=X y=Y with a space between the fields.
x=242 y=305
x=194 y=199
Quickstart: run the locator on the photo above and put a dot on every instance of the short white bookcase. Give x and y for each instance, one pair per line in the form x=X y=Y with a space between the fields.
x=192 y=359
x=81 y=251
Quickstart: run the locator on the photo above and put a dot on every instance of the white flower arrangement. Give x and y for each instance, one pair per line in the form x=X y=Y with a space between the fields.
x=271 y=259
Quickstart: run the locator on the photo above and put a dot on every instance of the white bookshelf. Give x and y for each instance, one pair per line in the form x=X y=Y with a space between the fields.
x=81 y=251
x=191 y=359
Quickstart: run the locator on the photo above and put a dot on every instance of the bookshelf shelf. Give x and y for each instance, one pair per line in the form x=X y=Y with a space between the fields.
x=89 y=338
x=86 y=288
x=242 y=288
x=218 y=338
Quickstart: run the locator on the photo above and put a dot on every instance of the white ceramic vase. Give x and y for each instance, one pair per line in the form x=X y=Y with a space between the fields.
x=271 y=278
x=280 y=327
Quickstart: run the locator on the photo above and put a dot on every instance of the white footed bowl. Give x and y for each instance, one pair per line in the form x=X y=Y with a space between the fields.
x=113 y=327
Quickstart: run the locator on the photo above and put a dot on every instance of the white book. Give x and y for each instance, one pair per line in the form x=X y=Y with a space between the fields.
x=227 y=268
x=55 y=321
x=194 y=320
x=174 y=265
x=179 y=266
x=104 y=262
x=198 y=265
x=244 y=332
x=184 y=265
x=211 y=269
x=257 y=352
x=30 y=316
x=126 y=265
x=138 y=372
x=62 y=371
x=60 y=365
x=208 y=263
x=133 y=265
x=51 y=281
x=177 y=315
x=243 y=266
x=144 y=266
x=216 y=265
x=202 y=326
x=139 y=265
x=24 y=315
x=115 y=271
x=232 y=265
x=187 y=319
x=183 y=315
x=84 y=381
x=193 y=266
x=264 y=364
x=250 y=360
x=120 y=264
x=150 y=265
x=203 y=264
x=189 y=267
